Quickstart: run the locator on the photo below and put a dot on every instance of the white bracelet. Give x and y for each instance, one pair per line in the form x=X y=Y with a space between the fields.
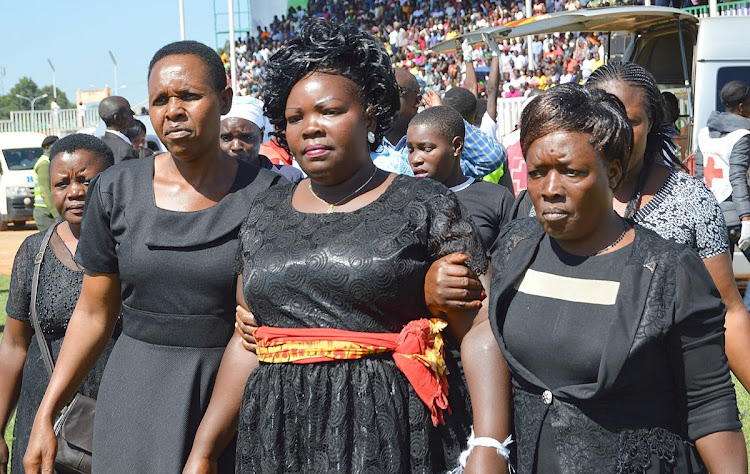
x=487 y=442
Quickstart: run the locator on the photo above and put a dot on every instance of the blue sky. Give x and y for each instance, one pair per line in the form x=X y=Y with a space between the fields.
x=76 y=35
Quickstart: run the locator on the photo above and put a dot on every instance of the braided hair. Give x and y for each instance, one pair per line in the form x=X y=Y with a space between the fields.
x=658 y=143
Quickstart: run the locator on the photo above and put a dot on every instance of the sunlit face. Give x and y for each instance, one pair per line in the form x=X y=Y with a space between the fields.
x=327 y=127
x=185 y=109
x=70 y=175
x=240 y=138
x=570 y=186
x=431 y=154
x=634 y=100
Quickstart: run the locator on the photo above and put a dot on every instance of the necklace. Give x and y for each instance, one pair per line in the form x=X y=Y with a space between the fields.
x=337 y=203
x=626 y=227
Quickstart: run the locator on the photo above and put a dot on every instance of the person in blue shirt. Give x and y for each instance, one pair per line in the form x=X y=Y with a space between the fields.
x=482 y=154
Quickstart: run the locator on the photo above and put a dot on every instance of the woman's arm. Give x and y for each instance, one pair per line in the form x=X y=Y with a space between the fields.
x=13 y=349
x=697 y=356
x=219 y=423
x=488 y=379
x=723 y=452
x=88 y=332
x=737 y=321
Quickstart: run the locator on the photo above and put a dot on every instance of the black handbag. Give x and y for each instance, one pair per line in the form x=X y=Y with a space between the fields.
x=74 y=428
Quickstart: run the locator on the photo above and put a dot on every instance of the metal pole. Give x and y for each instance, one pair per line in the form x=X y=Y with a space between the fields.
x=54 y=87
x=529 y=39
x=114 y=61
x=232 y=57
x=182 y=20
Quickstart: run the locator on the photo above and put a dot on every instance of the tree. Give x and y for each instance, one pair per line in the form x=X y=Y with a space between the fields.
x=28 y=88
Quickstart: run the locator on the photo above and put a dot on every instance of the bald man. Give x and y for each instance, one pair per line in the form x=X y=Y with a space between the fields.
x=117 y=115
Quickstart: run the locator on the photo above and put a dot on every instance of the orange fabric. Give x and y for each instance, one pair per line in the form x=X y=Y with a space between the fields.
x=418 y=351
x=275 y=152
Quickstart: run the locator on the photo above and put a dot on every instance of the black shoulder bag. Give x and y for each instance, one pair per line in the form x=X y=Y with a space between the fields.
x=74 y=427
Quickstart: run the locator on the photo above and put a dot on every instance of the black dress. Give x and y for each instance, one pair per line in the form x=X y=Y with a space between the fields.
x=359 y=271
x=60 y=282
x=178 y=285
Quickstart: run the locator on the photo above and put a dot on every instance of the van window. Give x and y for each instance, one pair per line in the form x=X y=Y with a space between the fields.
x=726 y=74
x=22 y=158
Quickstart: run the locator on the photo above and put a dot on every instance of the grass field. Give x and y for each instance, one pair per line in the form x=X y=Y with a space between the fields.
x=743 y=398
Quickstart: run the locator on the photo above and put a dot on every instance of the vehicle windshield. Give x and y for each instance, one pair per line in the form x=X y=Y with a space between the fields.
x=727 y=74
x=21 y=158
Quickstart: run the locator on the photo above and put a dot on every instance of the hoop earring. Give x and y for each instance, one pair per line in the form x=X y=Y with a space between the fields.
x=371 y=137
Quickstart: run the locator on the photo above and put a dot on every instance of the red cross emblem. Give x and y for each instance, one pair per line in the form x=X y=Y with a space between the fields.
x=710 y=171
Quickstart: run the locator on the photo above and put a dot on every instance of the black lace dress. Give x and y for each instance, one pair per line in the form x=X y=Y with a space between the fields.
x=358 y=271
x=60 y=280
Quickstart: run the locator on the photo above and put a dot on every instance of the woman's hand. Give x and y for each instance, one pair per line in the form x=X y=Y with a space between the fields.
x=42 y=447
x=197 y=465
x=246 y=325
x=449 y=286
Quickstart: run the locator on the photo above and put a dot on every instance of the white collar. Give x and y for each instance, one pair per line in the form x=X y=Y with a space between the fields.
x=462 y=186
x=115 y=132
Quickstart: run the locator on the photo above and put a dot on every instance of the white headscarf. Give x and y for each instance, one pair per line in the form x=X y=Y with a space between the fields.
x=247 y=108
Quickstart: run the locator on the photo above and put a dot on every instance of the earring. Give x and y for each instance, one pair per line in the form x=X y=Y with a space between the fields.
x=370 y=137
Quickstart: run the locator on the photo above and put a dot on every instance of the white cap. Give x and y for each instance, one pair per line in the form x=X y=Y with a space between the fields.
x=247 y=108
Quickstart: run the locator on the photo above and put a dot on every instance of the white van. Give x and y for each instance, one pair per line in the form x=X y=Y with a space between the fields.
x=18 y=154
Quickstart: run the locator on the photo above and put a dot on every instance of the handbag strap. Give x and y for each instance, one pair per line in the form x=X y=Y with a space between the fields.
x=43 y=347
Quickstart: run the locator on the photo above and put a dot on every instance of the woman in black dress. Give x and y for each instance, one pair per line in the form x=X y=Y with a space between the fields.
x=159 y=240
x=75 y=161
x=613 y=336
x=329 y=263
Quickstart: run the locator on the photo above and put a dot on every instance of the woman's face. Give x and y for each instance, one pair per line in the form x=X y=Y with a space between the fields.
x=634 y=100
x=571 y=186
x=240 y=138
x=139 y=141
x=185 y=109
x=69 y=177
x=327 y=127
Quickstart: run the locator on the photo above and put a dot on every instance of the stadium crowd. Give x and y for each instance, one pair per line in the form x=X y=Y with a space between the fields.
x=411 y=28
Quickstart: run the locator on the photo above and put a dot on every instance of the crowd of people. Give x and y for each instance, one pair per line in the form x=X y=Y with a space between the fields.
x=339 y=315
x=410 y=29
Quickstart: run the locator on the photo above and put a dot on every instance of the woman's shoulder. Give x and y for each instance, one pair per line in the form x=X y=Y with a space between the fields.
x=30 y=245
x=652 y=247
x=127 y=175
x=421 y=189
x=687 y=187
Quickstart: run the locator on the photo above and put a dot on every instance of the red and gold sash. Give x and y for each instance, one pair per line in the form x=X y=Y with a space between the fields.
x=418 y=351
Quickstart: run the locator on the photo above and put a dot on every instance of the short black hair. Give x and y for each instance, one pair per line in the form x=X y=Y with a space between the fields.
x=573 y=108
x=446 y=120
x=208 y=56
x=49 y=141
x=463 y=101
x=82 y=141
x=138 y=127
x=324 y=47
x=734 y=93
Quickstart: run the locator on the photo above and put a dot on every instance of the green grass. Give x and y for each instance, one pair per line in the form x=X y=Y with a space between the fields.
x=743 y=404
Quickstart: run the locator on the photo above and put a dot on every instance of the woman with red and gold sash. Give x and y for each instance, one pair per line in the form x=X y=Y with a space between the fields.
x=350 y=375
